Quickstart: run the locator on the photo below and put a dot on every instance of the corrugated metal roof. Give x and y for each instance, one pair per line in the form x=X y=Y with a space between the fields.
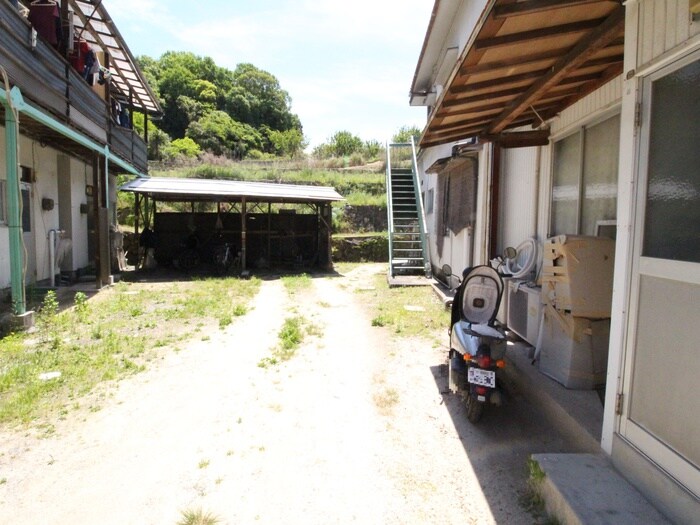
x=174 y=189
x=93 y=23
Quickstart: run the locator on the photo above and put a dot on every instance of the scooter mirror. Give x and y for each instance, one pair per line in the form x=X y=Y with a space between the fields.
x=510 y=253
x=447 y=270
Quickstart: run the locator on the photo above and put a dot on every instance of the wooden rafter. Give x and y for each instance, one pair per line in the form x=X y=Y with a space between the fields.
x=536 y=34
x=605 y=77
x=495 y=82
x=528 y=7
x=587 y=47
x=511 y=62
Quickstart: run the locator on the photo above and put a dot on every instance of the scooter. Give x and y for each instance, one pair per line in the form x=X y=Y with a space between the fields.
x=477 y=343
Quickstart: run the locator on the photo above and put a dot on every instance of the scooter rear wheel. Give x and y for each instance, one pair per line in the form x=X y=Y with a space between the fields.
x=475 y=409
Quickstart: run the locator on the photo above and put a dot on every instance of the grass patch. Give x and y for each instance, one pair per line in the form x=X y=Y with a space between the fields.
x=106 y=338
x=197 y=517
x=385 y=400
x=291 y=335
x=408 y=310
x=296 y=283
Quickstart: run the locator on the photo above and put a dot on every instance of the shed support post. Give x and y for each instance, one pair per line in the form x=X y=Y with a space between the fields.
x=243 y=235
x=269 y=233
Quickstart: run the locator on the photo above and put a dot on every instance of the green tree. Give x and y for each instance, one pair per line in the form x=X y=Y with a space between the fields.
x=404 y=134
x=158 y=142
x=373 y=149
x=344 y=143
x=185 y=147
x=191 y=88
x=257 y=99
x=289 y=143
x=219 y=133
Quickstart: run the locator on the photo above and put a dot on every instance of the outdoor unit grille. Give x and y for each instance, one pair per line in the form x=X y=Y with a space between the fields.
x=524 y=311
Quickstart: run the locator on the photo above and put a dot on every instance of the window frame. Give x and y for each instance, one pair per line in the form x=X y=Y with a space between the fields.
x=580 y=131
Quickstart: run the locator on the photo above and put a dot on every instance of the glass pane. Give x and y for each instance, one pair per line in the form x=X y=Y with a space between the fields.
x=26 y=211
x=600 y=157
x=565 y=188
x=664 y=396
x=673 y=199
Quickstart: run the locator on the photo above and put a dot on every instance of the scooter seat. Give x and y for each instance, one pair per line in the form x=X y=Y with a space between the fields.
x=485 y=330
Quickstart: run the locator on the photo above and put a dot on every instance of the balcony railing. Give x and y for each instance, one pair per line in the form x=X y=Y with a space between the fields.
x=49 y=82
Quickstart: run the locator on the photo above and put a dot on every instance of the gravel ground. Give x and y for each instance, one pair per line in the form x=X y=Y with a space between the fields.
x=355 y=428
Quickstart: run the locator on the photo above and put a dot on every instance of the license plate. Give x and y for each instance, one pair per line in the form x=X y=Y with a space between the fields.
x=477 y=376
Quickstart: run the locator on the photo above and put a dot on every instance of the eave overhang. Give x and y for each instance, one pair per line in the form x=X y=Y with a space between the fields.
x=526 y=62
x=94 y=24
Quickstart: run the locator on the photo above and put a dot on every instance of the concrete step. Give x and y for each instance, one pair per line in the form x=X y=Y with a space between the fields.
x=585 y=489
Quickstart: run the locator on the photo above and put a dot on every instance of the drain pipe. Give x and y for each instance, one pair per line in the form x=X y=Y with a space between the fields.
x=53 y=235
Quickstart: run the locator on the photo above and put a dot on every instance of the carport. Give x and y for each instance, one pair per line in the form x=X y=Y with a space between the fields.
x=271 y=225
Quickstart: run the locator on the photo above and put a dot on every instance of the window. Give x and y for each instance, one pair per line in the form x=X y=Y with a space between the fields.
x=584 y=189
x=429 y=201
x=673 y=190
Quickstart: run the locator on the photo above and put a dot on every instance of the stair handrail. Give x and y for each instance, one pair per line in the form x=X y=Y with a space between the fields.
x=389 y=208
x=421 y=211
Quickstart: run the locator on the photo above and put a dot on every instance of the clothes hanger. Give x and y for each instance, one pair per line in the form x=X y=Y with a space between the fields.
x=50 y=3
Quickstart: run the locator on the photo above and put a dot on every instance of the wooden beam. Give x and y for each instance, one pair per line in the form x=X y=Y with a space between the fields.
x=519 y=139
x=536 y=34
x=462 y=132
x=479 y=98
x=587 y=47
x=528 y=7
x=511 y=62
x=500 y=81
x=603 y=78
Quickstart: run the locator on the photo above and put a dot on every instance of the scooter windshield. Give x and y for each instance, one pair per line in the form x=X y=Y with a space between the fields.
x=481 y=295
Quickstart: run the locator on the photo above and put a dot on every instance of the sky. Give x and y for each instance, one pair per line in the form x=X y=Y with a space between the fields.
x=347 y=65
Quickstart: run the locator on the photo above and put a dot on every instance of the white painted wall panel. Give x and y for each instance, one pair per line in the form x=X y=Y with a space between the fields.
x=80 y=175
x=518 y=206
x=588 y=107
x=663 y=25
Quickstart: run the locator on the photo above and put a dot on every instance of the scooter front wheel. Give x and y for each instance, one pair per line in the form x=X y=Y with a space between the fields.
x=475 y=408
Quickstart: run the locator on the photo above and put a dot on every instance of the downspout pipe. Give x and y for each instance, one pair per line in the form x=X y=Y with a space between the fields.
x=14 y=214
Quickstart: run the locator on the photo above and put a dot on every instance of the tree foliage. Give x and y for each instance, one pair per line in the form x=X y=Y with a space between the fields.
x=404 y=134
x=223 y=111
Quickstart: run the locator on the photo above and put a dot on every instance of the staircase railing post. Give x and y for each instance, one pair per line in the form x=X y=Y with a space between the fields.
x=421 y=212
x=389 y=209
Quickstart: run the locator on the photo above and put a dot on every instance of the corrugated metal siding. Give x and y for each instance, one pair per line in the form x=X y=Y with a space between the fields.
x=518 y=206
x=663 y=24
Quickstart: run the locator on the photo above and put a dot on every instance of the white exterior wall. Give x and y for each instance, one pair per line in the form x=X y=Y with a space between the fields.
x=44 y=162
x=81 y=176
x=519 y=196
x=456 y=249
x=430 y=181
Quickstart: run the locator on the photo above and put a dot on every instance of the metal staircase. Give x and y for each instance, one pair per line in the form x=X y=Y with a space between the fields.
x=408 y=247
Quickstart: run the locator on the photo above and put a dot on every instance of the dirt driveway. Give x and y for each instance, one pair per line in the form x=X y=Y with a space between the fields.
x=353 y=429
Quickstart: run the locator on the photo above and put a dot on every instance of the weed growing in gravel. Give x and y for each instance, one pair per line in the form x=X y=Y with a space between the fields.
x=74 y=350
x=197 y=517
x=290 y=336
x=296 y=283
x=385 y=400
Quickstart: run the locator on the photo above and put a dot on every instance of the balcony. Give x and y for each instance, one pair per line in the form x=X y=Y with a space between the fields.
x=50 y=83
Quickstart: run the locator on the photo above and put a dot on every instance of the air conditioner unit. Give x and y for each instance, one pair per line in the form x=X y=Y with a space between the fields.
x=524 y=309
